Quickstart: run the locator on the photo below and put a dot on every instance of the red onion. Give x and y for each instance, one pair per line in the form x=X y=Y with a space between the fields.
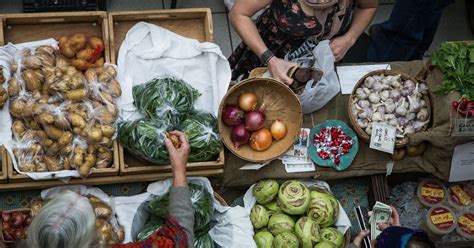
x=19 y=234
x=5 y=217
x=232 y=115
x=27 y=221
x=7 y=236
x=240 y=135
x=16 y=220
x=255 y=120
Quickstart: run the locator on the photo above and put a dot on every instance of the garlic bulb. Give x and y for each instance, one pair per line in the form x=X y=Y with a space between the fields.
x=362 y=94
x=411 y=116
x=364 y=103
x=422 y=115
x=362 y=123
x=401 y=110
x=369 y=82
x=376 y=117
x=384 y=95
x=395 y=94
x=374 y=97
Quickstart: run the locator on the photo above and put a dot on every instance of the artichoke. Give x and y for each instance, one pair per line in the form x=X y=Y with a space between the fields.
x=332 y=235
x=323 y=208
x=293 y=197
x=325 y=244
x=258 y=216
x=308 y=232
x=264 y=239
x=279 y=223
x=265 y=191
x=286 y=240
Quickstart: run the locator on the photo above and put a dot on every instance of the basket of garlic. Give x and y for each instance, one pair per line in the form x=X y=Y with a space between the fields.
x=392 y=98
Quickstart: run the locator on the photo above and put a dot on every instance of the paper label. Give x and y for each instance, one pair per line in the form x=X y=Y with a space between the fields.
x=462 y=163
x=432 y=193
x=254 y=166
x=390 y=167
x=383 y=137
x=463 y=127
x=466 y=223
x=349 y=75
x=459 y=195
x=293 y=168
x=443 y=218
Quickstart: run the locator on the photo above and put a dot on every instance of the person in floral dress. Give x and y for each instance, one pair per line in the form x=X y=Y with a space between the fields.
x=285 y=26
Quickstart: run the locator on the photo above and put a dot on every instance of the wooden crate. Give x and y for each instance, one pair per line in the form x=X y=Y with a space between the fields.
x=18 y=28
x=3 y=165
x=193 y=23
x=190 y=23
x=113 y=170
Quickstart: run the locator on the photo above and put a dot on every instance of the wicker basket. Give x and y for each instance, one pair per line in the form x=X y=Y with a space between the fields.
x=280 y=103
x=220 y=199
x=360 y=132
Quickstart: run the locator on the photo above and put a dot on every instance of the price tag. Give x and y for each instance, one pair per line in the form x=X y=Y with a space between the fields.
x=463 y=127
x=304 y=167
x=390 y=165
x=383 y=137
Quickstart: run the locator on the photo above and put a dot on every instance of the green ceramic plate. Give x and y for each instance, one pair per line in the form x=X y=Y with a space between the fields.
x=346 y=159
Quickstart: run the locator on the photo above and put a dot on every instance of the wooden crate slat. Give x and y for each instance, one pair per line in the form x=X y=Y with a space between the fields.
x=3 y=165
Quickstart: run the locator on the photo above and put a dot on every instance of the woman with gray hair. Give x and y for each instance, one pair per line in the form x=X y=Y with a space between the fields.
x=68 y=220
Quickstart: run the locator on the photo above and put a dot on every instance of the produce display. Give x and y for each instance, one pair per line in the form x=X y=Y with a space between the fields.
x=202 y=204
x=332 y=143
x=15 y=224
x=248 y=123
x=456 y=62
x=464 y=107
x=293 y=215
x=62 y=118
x=108 y=232
x=393 y=101
x=3 y=91
x=168 y=104
x=83 y=52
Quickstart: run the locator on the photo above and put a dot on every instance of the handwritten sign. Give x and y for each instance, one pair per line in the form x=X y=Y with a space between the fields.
x=463 y=127
x=383 y=137
x=304 y=167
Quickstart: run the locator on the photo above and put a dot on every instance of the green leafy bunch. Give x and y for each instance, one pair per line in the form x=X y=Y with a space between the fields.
x=456 y=62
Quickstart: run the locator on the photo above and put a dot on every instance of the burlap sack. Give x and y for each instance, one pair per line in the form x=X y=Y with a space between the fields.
x=436 y=159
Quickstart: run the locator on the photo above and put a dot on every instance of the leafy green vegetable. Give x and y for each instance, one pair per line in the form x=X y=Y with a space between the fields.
x=145 y=139
x=204 y=241
x=159 y=207
x=456 y=62
x=165 y=98
x=202 y=205
x=203 y=136
x=153 y=224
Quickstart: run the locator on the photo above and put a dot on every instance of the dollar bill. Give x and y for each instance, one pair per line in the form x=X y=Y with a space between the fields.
x=380 y=214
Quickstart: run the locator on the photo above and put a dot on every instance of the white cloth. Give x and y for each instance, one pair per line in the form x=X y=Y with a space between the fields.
x=7 y=54
x=232 y=229
x=149 y=51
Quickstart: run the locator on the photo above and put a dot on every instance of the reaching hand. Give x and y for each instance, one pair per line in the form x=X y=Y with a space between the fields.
x=178 y=157
x=339 y=46
x=358 y=239
x=393 y=221
x=279 y=68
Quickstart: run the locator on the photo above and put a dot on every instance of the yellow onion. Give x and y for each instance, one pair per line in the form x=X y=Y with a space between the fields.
x=248 y=101
x=278 y=130
x=261 y=140
x=293 y=197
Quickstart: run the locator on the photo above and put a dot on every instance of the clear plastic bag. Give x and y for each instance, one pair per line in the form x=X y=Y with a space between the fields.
x=145 y=139
x=165 y=98
x=201 y=130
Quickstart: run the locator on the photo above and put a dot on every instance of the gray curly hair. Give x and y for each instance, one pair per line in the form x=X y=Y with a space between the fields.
x=66 y=221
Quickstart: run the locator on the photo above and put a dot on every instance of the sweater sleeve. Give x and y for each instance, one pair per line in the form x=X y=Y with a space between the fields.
x=181 y=209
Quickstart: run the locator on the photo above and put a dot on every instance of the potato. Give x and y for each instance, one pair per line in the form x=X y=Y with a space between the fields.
x=53 y=132
x=36 y=205
x=16 y=107
x=114 y=87
x=35 y=149
x=106 y=97
x=78 y=158
x=29 y=108
x=96 y=43
x=45 y=49
x=413 y=151
x=65 y=139
x=107 y=130
x=75 y=82
x=46 y=60
x=41 y=167
x=66 y=150
x=32 y=82
x=13 y=87
x=66 y=164
x=77 y=121
x=89 y=162
x=104 y=231
x=18 y=128
x=86 y=54
x=53 y=164
x=76 y=95
x=104 y=77
x=78 y=41
x=52 y=150
x=95 y=135
x=99 y=63
x=3 y=96
x=31 y=62
x=68 y=51
x=104 y=160
x=398 y=154
x=101 y=210
x=91 y=75
x=47 y=142
x=80 y=64
x=91 y=149
x=62 y=63
x=40 y=135
x=61 y=122
x=46 y=118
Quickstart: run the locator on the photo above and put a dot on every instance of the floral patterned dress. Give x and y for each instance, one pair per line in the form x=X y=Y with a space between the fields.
x=284 y=26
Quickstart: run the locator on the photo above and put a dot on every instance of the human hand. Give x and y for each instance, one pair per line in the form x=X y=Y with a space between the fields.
x=393 y=221
x=358 y=239
x=279 y=68
x=340 y=45
x=178 y=156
